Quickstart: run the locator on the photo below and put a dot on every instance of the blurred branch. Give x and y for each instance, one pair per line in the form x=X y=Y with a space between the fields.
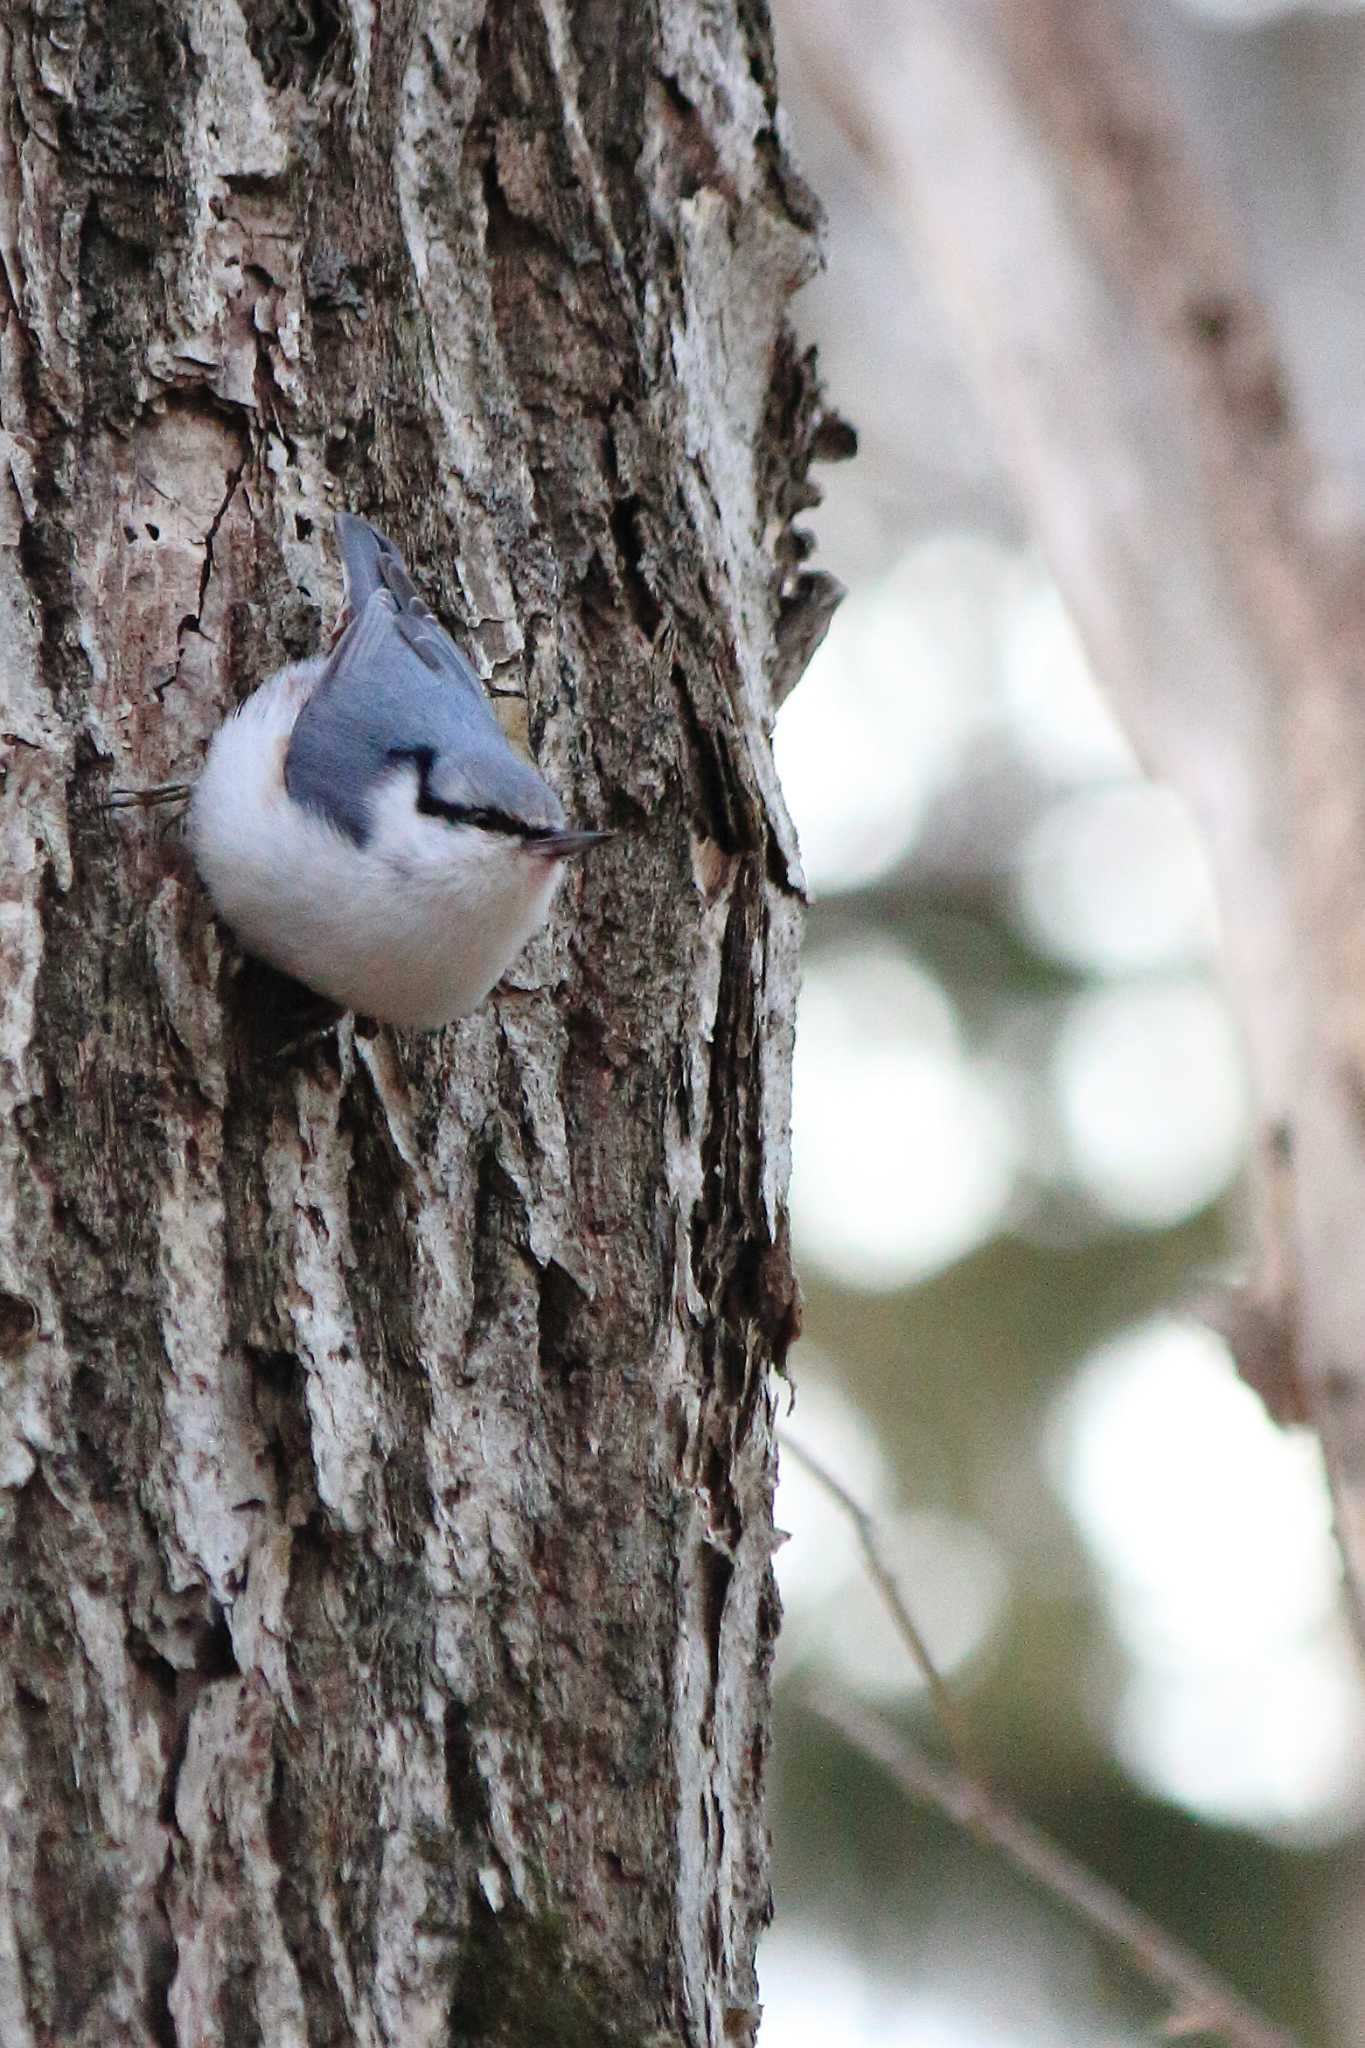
x=1136 y=389
x=946 y=1709
x=1203 y=2002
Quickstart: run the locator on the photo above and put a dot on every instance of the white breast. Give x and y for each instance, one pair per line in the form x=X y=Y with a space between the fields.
x=413 y=928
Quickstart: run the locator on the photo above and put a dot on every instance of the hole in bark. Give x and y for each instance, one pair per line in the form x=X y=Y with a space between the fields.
x=149 y=1660
x=162 y=1959
x=560 y=1297
x=630 y=545
x=466 y=1793
x=214 y=1654
x=18 y=1322
x=293 y=44
x=279 y=1370
x=717 y=1573
x=153 y=532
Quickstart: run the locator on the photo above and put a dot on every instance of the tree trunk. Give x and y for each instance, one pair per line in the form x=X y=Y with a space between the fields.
x=387 y=1449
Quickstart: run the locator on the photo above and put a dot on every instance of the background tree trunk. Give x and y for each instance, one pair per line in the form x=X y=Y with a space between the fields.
x=387 y=1428
x=1212 y=560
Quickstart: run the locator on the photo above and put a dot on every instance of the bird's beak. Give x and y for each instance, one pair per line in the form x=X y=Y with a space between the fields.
x=559 y=845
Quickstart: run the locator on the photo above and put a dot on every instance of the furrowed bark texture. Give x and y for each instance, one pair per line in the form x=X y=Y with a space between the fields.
x=387 y=1450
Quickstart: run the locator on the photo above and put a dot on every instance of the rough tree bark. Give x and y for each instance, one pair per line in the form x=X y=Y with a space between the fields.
x=387 y=1445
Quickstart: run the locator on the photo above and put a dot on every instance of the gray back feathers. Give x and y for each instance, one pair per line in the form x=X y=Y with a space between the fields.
x=396 y=690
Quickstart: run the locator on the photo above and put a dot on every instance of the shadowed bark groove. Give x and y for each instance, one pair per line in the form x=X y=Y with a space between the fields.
x=385 y=1449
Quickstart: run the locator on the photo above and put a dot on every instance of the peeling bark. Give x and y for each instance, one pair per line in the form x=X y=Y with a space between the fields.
x=385 y=1449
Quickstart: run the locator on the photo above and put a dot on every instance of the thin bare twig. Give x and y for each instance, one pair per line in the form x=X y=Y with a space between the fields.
x=946 y=1709
x=1203 y=2003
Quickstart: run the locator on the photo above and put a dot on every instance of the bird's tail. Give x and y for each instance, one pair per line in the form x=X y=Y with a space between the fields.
x=373 y=567
x=371 y=562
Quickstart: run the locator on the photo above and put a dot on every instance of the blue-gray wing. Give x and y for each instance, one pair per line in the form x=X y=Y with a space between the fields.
x=371 y=564
x=396 y=688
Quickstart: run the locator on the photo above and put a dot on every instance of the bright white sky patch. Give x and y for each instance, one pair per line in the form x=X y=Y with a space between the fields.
x=1289 y=1766
x=1151 y=1096
x=1114 y=880
x=963 y=639
x=980 y=1975
x=822 y=1556
x=905 y=1150
x=948 y=1570
x=1213 y=1522
x=1060 y=719
x=889 y=705
x=1212 y=1529
x=952 y=1581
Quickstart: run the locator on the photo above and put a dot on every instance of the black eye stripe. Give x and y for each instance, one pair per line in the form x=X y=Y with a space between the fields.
x=430 y=805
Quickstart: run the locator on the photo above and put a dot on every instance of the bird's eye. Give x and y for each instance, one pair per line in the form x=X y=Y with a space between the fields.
x=503 y=821
x=430 y=805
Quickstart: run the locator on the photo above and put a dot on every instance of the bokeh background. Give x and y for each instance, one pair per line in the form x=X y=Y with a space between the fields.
x=1021 y=1122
